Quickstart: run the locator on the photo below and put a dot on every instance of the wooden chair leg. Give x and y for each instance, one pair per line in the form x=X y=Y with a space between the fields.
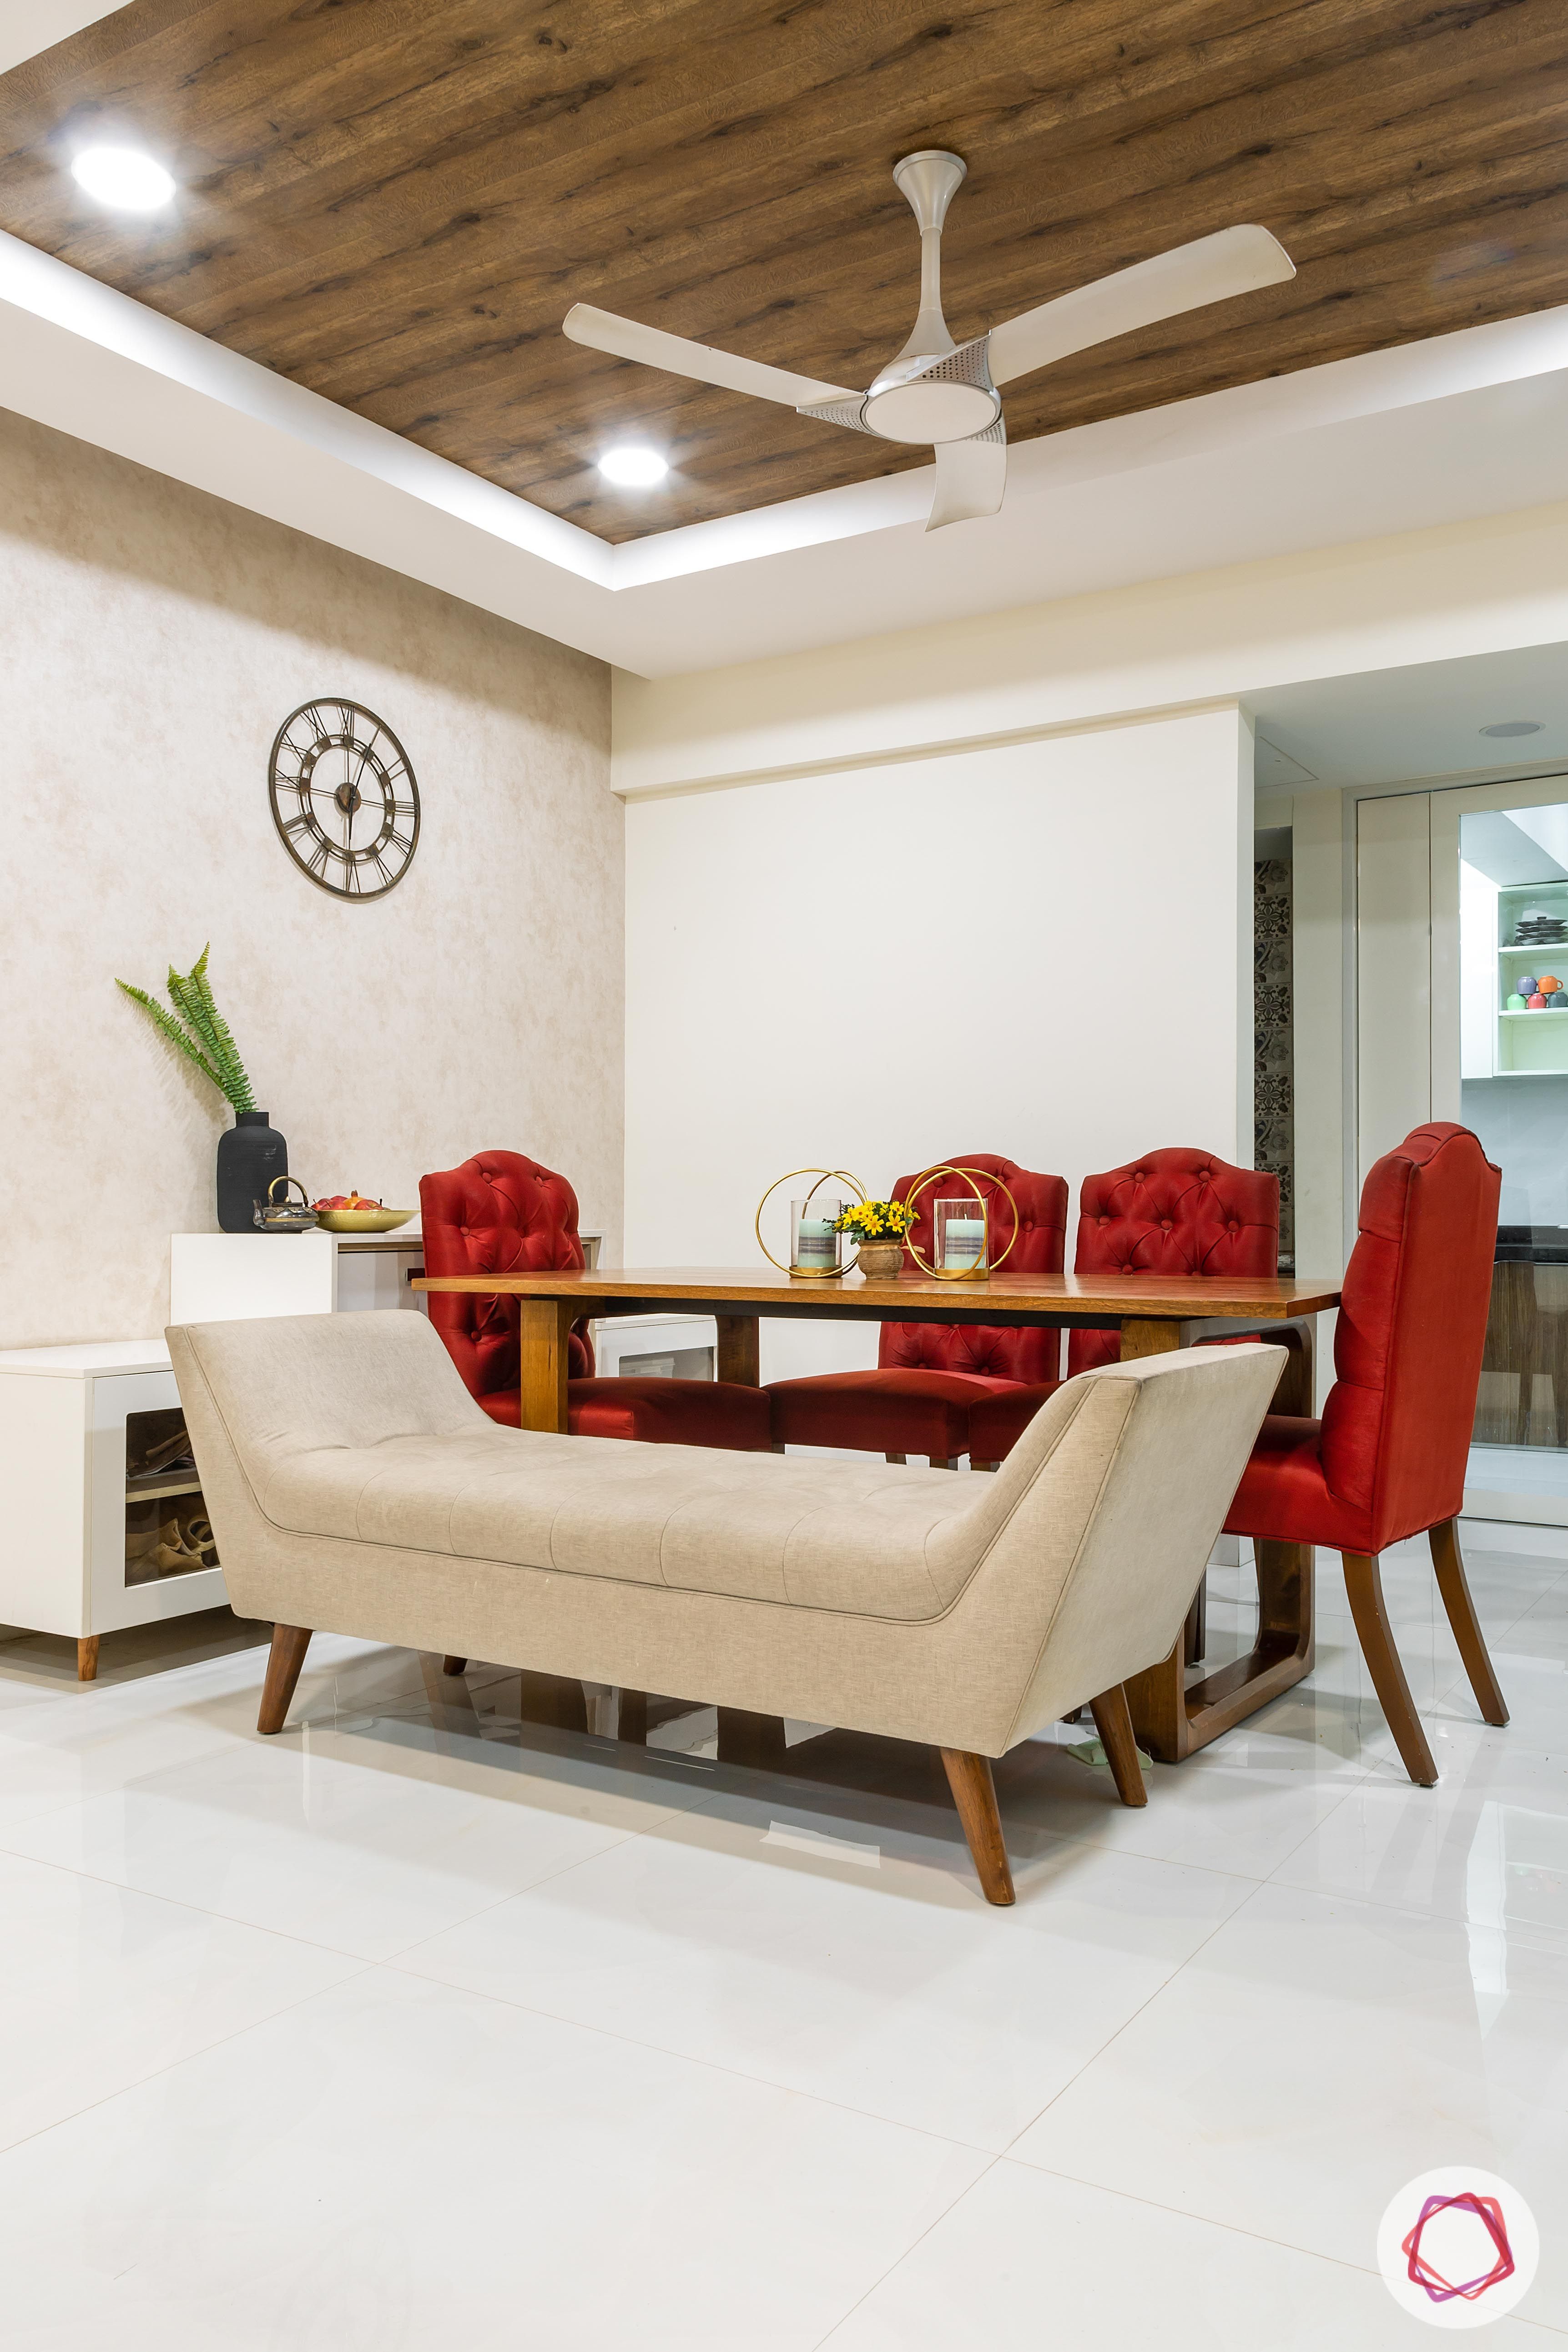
x=87 y=1657
x=983 y=1465
x=899 y=1460
x=454 y=1667
x=1364 y=1584
x=1448 y=1562
x=942 y=1461
x=290 y=1644
x=1114 y=1725
x=974 y=1794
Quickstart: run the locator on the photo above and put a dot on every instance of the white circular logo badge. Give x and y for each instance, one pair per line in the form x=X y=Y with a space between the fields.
x=1457 y=2247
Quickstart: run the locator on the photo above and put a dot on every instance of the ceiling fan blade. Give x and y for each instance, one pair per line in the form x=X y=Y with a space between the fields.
x=1210 y=269
x=970 y=477
x=604 y=331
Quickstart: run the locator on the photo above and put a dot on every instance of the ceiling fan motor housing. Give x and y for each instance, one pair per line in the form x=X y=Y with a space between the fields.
x=924 y=399
x=946 y=397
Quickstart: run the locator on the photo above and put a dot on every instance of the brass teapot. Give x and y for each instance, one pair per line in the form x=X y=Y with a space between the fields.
x=285 y=1216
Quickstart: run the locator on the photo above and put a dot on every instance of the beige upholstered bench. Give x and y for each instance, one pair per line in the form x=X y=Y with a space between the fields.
x=355 y=1487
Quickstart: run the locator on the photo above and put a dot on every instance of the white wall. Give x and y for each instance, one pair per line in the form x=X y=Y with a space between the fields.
x=1394 y=973
x=153 y=639
x=1042 y=949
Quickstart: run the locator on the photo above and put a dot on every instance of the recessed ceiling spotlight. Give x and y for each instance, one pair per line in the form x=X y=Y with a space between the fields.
x=124 y=178
x=1515 y=727
x=633 y=467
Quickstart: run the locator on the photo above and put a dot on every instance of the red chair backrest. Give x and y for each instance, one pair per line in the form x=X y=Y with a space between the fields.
x=498 y=1213
x=1412 y=1325
x=1174 y=1212
x=991 y=1349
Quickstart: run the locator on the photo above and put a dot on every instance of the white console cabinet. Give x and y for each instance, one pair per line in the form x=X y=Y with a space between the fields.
x=93 y=1540
x=229 y=1278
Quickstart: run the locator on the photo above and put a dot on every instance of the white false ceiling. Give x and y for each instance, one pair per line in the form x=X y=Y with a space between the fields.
x=1418 y=725
x=28 y=27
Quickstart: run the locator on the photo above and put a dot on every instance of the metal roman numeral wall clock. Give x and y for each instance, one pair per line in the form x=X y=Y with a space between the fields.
x=343 y=798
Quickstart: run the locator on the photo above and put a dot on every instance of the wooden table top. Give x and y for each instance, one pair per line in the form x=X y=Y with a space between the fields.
x=996 y=1299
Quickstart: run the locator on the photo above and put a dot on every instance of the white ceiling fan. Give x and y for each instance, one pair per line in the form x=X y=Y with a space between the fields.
x=946 y=393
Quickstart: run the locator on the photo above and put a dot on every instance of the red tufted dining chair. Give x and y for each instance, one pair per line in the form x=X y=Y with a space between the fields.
x=930 y=1375
x=1174 y=1212
x=503 y=1213
x=1388 y=1458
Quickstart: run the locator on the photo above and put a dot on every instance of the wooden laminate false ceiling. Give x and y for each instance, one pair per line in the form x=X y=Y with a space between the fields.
x=395 y=201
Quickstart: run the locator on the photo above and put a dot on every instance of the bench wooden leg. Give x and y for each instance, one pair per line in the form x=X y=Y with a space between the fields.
x=451 y=1667
x=1448 y=1561
x=974 y=1793
x=87 y=1658
x=1364 y=1584
x=290 y=1644
x=1113 y=1722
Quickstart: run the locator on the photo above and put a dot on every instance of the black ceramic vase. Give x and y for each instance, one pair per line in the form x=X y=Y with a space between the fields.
x=251 y=1156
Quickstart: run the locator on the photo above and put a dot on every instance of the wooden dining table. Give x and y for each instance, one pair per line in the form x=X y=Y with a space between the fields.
x=1177 y=1707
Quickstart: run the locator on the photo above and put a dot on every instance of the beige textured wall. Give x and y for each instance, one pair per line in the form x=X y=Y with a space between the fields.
x=152 y=640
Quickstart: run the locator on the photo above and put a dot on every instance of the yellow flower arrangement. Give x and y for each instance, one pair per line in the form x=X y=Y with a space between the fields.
x=877 y=1220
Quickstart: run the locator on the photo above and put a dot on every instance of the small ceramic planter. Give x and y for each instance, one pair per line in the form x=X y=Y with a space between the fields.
x=881 y=1260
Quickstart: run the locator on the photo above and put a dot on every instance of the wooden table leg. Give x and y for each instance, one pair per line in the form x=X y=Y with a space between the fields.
x=544 y=1330
x=1154 y=1696
x=740 y=1350
x=755 y=1740
x=1144 y=1335
x=1172 y=1716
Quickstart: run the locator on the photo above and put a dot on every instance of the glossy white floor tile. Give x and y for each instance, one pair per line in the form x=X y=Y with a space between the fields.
x=1028 y=2259
x=1314 y=2055
x=398 y=2163
x=359 y=1843
x=422 y=2020
x=842 y=1958
x=1489 y=1844
x=100 y=1987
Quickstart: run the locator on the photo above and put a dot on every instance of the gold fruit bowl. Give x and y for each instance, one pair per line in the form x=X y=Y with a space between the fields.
x=363 y=1221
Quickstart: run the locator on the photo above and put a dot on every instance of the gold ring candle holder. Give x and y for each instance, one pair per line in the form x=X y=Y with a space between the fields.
x=816 y=1246
x=961 y=1254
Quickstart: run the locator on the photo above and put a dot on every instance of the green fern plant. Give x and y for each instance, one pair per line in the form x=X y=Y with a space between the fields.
x=200 y=1032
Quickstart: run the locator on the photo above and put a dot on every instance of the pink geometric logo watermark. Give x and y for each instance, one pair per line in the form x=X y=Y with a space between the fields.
x=1457 y=2247
x=1489 y=2211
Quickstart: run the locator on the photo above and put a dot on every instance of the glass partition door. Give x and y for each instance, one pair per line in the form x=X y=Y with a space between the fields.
x=1499 y=1064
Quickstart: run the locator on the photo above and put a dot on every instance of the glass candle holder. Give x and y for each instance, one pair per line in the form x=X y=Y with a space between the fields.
x=813 y=1246
x=958 y=1231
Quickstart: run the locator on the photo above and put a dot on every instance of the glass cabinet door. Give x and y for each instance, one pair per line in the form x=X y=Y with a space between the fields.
x=1512 y=1087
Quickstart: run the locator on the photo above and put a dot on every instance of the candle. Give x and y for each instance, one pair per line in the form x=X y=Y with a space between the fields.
x=814 y=1244
x=963 y=1241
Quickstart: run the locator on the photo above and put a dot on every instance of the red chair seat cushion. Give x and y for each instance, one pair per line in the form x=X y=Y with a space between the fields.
x=898 y=1411
x=658 y=1413
x=1284 y=1496
x=997 y=1423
